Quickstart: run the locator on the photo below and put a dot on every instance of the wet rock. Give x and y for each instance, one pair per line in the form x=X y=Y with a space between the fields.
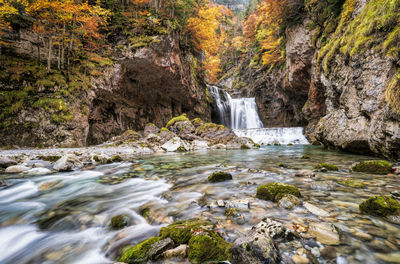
x=315 y=251
x=325 y=233
x=327 y=166
x=362 y=235
x=275 y=191
x=175 y=145
x=38 y=171
x=329 y=252
x=157 y=249
x=181 y=232
x=323 y=185
x=289 y=201
x=119 y=221
x=184 y=129
x=219 y=176
x=67 y=163
x=101 y=158
x=352 y=183
x=6 y=162
x=207 y=246
x=166 y=135
x=178 y=252
x=395 y=219
x=155 y=213
x=315 y=210
x=305 y=174
x=389 y=258
x=199 y=145
x=150 y=129
x=300 y=259
x=216 y=134
x=16 y=169
x=373 y=167
x=380 y=206
x=258 y=246
x=48 y=185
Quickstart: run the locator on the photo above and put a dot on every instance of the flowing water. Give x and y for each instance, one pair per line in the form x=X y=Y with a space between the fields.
x=282 y=135
x=64 y=217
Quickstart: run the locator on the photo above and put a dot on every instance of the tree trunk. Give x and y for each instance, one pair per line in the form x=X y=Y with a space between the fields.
x=49 y=54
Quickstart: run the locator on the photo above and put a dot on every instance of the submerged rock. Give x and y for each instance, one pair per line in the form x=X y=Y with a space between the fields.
x=315 y=210
x=275 y=191
x=219 y=176
x=373 y=167
x=352 y=183
x=325 y=233
x=119 y=221
x=38 y=171
x=327 y=166
x=289 y=201
x=380 y=206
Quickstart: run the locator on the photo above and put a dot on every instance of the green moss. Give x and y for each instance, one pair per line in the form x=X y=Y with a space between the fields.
x=380 y=206
x=116 y=158
x=232 y=212
x=373 y=167
x=352 y=183
x=181 y=232
x=305 y=157
x=181 y=149
x=138 y=253
x=49 y=158
x=140 y=41
x=244 y=146
x=96 y=158
x=209 y=126
x=62 y=118
x=180 y=118
x=208 y=247
x=275 y=191
x=219 y=176
x=277 y=144
x=119 y=221
x=257 y=145
x=164 y=129
x=329 y=167
x=392 y=93
x=197 y=122
x=290 y=144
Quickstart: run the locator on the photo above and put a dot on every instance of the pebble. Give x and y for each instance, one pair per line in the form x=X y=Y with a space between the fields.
x=341 y=260
x=300 y=259
x=301 y=251
x=315 y=251
x=328 y=252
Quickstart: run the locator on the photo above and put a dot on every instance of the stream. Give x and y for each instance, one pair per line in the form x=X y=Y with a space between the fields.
x=64 y=217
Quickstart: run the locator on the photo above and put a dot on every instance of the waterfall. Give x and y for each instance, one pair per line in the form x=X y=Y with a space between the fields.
x=238 y=113
x=283 y=135
x=244 y=114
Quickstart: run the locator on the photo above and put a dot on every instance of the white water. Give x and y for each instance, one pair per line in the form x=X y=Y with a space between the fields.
x=238 y=113
x=283 y=135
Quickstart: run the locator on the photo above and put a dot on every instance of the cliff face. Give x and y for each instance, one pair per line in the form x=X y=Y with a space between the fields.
x=341 y=83
x=143 y=85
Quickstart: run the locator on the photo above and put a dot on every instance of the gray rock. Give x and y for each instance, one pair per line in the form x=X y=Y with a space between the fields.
x=325 y=233
x=157 y=249
x=178 y=252
x=38 y=171
x=289 y=201
x=175 y=144
x=16 y=169
x=68 y=162
x=6 y=162
x=150 y=129
x=305 y=174
x=323 y=186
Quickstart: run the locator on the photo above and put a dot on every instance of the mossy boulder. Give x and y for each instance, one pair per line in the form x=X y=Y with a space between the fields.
x=119 y=221
x=352 y=183
x=181 y=232
x=244 y=146
x=177 y=119
x=373 y=167
x=327 y=166
x=116 y=158
x=138 y=253
x=219 y=176
x=208 y=246
x=380 y=206
x=275 y=191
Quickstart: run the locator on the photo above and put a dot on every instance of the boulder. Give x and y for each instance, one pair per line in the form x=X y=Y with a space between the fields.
x=200 y=145
x=138 y=253
x=327 y=166
x=17 y=169
x=216 y=134
x=175 y=145
x=184 y=129
x=68 y=162
x=219 y=176
x=150 y=129
x=208 y=246
x=119 y=221
x=380 y=206
x=157 y=249
x=6 y=162
x=275 y=191
x=305 y=173
x=38 y=171
x=325 y=233
x=373 y=167
x=181 y=232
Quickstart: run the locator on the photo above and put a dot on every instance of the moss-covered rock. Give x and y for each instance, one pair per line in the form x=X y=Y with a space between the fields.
x=275 y=191
x=138 y=253
x=380 y=206
x=328 y=166
x=116 y=158
x=244 y=146
x=352 y=183
x=181 y=232
x=219 y=176
x=373 y=167
x=305 y=157
x=177 y=119
x=119 y=221
x=208 y=246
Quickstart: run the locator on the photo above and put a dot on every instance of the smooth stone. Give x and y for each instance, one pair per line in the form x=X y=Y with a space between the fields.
x=67 y=163
x=341 y=260
x=305 y=173
x=361 y=234
x=6 y=162
x=315 y=251
x=315 y=210
x=16 y=169
x=300 y=259
x=38 y=165
x=323 y=185
x=325 y=233
x=289 y=201
x=220 y=203
x=328 y=252
x=391 y=258
x=174 y=145
x=178 y=252
x=301 y=251
x=38 y=171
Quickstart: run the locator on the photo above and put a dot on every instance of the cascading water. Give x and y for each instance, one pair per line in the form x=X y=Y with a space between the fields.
x=241 y=115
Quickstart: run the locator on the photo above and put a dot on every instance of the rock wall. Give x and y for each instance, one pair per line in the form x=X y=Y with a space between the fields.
x=149 y=84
